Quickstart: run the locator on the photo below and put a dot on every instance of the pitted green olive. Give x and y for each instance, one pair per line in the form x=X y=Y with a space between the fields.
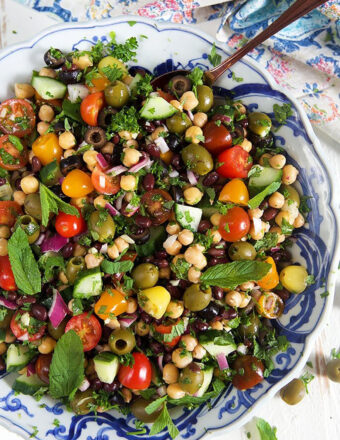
x=83 y=402
x=138 y=410
x=259 y=123
x=241 y=250
x=32 y=205
x=122 y=341
x=198 y=159
x=74 y=266
x=178 y=123
x=30 y=226
x=117 y=94
x=102 y=230
x=145 y=275
x=196 y=299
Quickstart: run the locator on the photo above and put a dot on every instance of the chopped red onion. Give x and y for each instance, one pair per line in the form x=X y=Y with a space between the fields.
x=141 y=164
x=174 y=173
x=8 y=304
x=191 y=177
x=58 y=309
x=84 y=385
x=223 y=118
x=257 y=225
x=115 y=171
x=61 y=179
x=190 y=115
x=129 y=210
x=222 y=361
x=102 y=161
x=275 y=249
x=162 y=145
x=30 y=369
x=170 y=241
x=119 y=201
x=40 y=239
x=161 y=391
x=103 y=249
x=113 y=211
x=160 y=362
x=54 y=243
x=128 y=320
x=76 y=91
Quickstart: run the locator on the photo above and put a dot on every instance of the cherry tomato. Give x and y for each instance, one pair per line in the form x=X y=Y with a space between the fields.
x=53 y=102
x=68 y=225
x=99 y=84
x=87 y=327
x=154 y=204
x=47 y=148
x=17 y=117
x=270 y=305
x=165 y=329
x=234 y=224
x=167 y=157
x=24 y=330
x=111 y=303
x=42 y=367
x=7 y=281
x=271 y=279
x=10 y=157
x=165 y=95
x=90 y=108
x=9 y=212
x=249 y=372
x=138 y=376
x=236 y=192
x=129 y=256
x=77 y=184
x=217 y=138
x=104 y=183
x=236 y=163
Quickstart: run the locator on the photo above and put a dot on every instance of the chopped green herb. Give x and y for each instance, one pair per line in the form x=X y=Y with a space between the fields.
x=214 y=57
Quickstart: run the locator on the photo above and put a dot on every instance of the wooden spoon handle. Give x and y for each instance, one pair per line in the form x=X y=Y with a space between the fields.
x=295 y=11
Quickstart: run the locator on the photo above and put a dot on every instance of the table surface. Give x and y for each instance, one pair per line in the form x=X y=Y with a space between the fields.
x=317 y=416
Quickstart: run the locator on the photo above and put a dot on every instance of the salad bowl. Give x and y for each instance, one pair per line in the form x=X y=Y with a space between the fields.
x=162 y=48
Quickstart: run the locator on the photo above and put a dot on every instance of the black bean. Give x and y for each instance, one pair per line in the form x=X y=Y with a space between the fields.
x=142 y=221
x=167 y=358
x=161 y=254
x=203 y=226
x=229 y=314
x=146 y=318
x=174 y=142
x=210 y=312
x=70 y=76
x=36 y=164
x=111 y=387
x=67 y=250
x=39 y=312
x=106 y=332
x=156 y=347
x=117 y=399
x=96 y=384
x=210 y=179
x=218 y=293
x=201 y=326
x=174 y=291
x=148 y=182
x=269 y=214
x=2 y=364
x=216 y=252
x=17 y=184
x=283 y=294
x=12 y=296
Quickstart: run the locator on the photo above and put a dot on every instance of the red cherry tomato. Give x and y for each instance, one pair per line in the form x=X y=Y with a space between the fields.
x=166 y=95
x=249 y=372
x=217 y=138
x=26 y=331
x=138 y=376
x=68 y=225
x=90 y=108
x=104 y=183
x=165 y=329
x=236 y=163
x=154 y=204
x=234 y=224
x=87 y=327
x=10 y=157
x=7 y=281
x=9 y=212
x=17 y=117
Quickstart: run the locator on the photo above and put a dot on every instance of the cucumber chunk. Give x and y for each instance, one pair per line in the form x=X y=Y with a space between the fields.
x=18 y=356
x=188 y=216
x=134 y=82
x=28 y=384
x=106 y=365
x=48 y=88
x=263 y=178
x=88 y=283
x=208 y=375
x=157 y=108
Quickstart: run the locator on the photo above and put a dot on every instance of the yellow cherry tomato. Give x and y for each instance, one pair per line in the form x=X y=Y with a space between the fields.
x=77 y=184
x=167 y=157
x=294 y=278
x=154 y=301
x=111 y=62
x=100 y=83
x=111 y=303
x=236 y=192
x=271 y=280
x=270 y=305
x=47 y=148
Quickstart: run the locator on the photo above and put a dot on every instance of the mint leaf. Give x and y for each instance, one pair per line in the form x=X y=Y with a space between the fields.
x=265 y=430
x=49 y=264
x=214 y=57
x=258 y=199
x=217 y=337
x=112 y=267
x=14 y=140
x=52 y=203
x=153 y=406
x=286 y=227
x=176 y=330
x=67 y=366
x=23 y=264
x=164 y=421
x=267 y=242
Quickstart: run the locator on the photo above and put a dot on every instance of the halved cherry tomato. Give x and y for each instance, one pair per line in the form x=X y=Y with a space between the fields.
x=129 y=256
x=87 y=327
x=104 y=183
x=165 y=95
x=23 y=329
x=53 y=102
x=9 y=212
x=77 y=184
x=167 y=157
x=47 y=148
x=7 y=281
x=165 y=329
x=271 y=279
x=249 y=372
x=270 y=305
x=138 y=376
x=68 y=225
x=216 y=138
x=236 y=163
x=154 y=204
x=10 y=157
x=17 y=117
x=236 y=192
x=111 y=303
x=100 y=82
x=234 y=224
x=90 y=108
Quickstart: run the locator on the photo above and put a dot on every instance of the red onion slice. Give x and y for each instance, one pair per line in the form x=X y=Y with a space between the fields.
x=113 y=211
x=102 y=161
x=160 y=362
x=119 y=202
x=30 y=369
x=84 y=385
x=128 y=320
x=54 y=243
x=58 y=309
x=76 y=91
x=190 y=115
x=8 y=304
x=222 y=361
x=141 y=164
x=162 y=145
x=115 y=171
x=174 y=173
x=191 y=177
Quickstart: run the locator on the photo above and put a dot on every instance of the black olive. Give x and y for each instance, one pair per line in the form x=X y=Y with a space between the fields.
x=238 y=131
x=58 y=192
x=54 y=58
x=116 y=155
x=70 y=76
x=176 y=193
x=105 y=116
x=59 y=127
x=179 y=84
x=210 y=312
x=70 y=163
x=174 y=142
x=95 y=136
x=133 y=70
x=139 y=235
x=261 y=142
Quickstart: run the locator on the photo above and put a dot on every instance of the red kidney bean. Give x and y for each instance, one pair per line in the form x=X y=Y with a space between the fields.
x=143 y=222
x=167 y=358
x=96 y=384
x=17 y=184
x=2 y=181
x=2 y=364
x=12 y=296
x=153 y=150
x=98 y=245
x=149 y=127
x=176 y=161
x=111 y=387
x=161 y=254
x=156 y=347
x=269 y=214
x=214 y=261
x=148 y=259
x=174 y=291
x=115 y=139
x=39 y=312
x=264 y=205
x=161 y=263
x=283 y=294
x=36 y=164
x=229 y=314
x=210 y=179
x=146 y=318
x=21 y=300
x=201 y=326
x=148 y=182
x=67 y=250
x=203 y=226
x=216 y=252
x=218 y=293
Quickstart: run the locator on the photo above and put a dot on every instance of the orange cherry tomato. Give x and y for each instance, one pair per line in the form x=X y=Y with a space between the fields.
x=165 y=329
x=167 y=157
x=99 y=84
x=236 y=192
x=270 y=305
x=90 y=108
x=104 y=183
x=271 y=280
x=111 y=303
x=234 y=224
x=10 y=157
x=47 y=148
x=77 y=184
x=9 y=212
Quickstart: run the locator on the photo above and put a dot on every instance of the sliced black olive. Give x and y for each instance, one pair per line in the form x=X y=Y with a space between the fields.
x=117 y=153
x=179 y=84
x=261 y=142
x=174 y=142
x=58 y=192
x=95 y=136
x=70 y=76
x=105 y=116
x=139 y=235
x=210 y=312
x=70 y=163
x=176 y=193
x=54 y=58
x=238 y=132
x=59 y=127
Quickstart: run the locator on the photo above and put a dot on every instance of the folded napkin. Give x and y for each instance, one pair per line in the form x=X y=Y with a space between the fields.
x=304 y=58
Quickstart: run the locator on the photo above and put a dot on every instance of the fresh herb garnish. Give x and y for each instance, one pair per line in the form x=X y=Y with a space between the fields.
x=125 y=119
x=282 y=112
x=335 y=354
x=214 y=57
x=127 y=50
x=113 y=73
x=52 y=203
x=51 y=265
x=143 y=86
x=164 y=421
x=196 y=77
x=286 y=227
x=14 y=140
x=236 y=78
x=267 y=242
x=258 y=199
x=265 y=430
x=307 y=379
x=112 y=267
x=180 y=269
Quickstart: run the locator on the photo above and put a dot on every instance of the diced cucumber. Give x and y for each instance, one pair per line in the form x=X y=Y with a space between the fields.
x=18 y=356
x=207 y=378
x=6 y=192
x=106 y=365
x=217 y=342
x=48 y=88
x=157 y=237
x=88 y=283
x=215 y=350
x=157 y=108
x=28 y=384
x=134 y=82
x=50 y=173
x=264 y=177
x=188 y=216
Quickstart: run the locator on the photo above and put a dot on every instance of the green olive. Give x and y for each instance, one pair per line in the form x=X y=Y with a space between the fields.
x=259 y=123
x=205 y=98
x=82 y=402
x=241 y=250
x=117 y=94
x=333 y=370
x=178 y=123
x=145 y=275
x=198 y=159
x=293 y=392
x=251 y=329
x=4 y=323
x=191 y=378
x=122 y=341
x=58 y=332
x=102 y=230
x=32 y=205
x=196 y=299
x=73 y=267
x=29 y=225
x=138 y=410
x=293 y=195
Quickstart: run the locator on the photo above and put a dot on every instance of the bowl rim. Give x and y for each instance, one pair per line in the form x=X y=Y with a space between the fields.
x=315 y=143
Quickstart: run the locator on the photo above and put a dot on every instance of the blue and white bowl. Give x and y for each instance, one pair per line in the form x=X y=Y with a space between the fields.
x=168 y=47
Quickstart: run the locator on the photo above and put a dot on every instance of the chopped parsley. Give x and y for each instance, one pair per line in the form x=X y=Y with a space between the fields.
x=125 y=119
x=196 y=77
x=214 y=57
x=236 y=78
x=282 y=112
x=180 y=269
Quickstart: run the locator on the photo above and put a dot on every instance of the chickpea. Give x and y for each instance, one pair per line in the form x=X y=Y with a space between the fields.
x=45 y=71
x=188 y=100
x=127 y=79
x=194 y=275
x=131 y=305
x=280 y=237
x=113 y=324
x=284 y=215
x=240 y=107
x=192 y=195
x=174 y=391
x=199 y=352
x=200 y=119
x=233 y=298
x=3 y=348
x=289 y=174
x=113 y=252
x=299 y=221
x=194 y=255
x=173 y=228
x=67 y=140
x=215 y=219
x=189 y=342
x=121 y=244
x=19 y=197
x=90 y=158
x=128 y=183
x=5 y=232
x=257 y=235
x=46 y=113
x=3 y=247
x=158 y=133
x=245 y=300
x=175 y=309
x=278 y=161
x=83 y=61
x=99 y=201
x=131 y=157
x=142 y=329
x=170 y=373
x=216 y=325
x=193 y=134
x=276 y=200
x=264 y=159
x=176 y=104
x=246 y=145
x=127 y=395
x=93 y=260
x=131 y=143
x=69 y=153
x=247 y=286
x=216 y=236
x=255 y=213
x=181 y=358
x=62 y=277
x=80 y=202
x=108 y=148
x=9 y=338
x=174 y=248
x=185 y=237
x=24 y=91
x=42 y=127
x=79 y=250
x=47 y=345
x=124 y=134
x=164 y=272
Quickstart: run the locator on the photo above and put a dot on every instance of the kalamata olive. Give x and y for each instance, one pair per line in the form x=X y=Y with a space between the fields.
x=39 y=312
x=174 y=142
x=138 y=410
x=95 y=136
x=176 y=193
x=142 y=221
x=201 y=326
x=203 y=226
x=229 y=313
x=283 y=294
x=70 y=76
x=161 y=263
x=54 y=58
x=146 y=317
x=148 y=182
x=36 y=164
x=218 y=293
x=293 y=392
x=67 y=250
x=111 y=387
x=176 y=162
x=105 y=116
x=179 y=84
x=210 y=179
x=42 y=367
x=216 y=252
x=161 y=254
x=238 y=131
x=333 y=370
x=139 y=235
x=261 y=142
x=58 y=192
x=210 y=312
x=269 y=214
x=2 y=364
x=70 y=163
